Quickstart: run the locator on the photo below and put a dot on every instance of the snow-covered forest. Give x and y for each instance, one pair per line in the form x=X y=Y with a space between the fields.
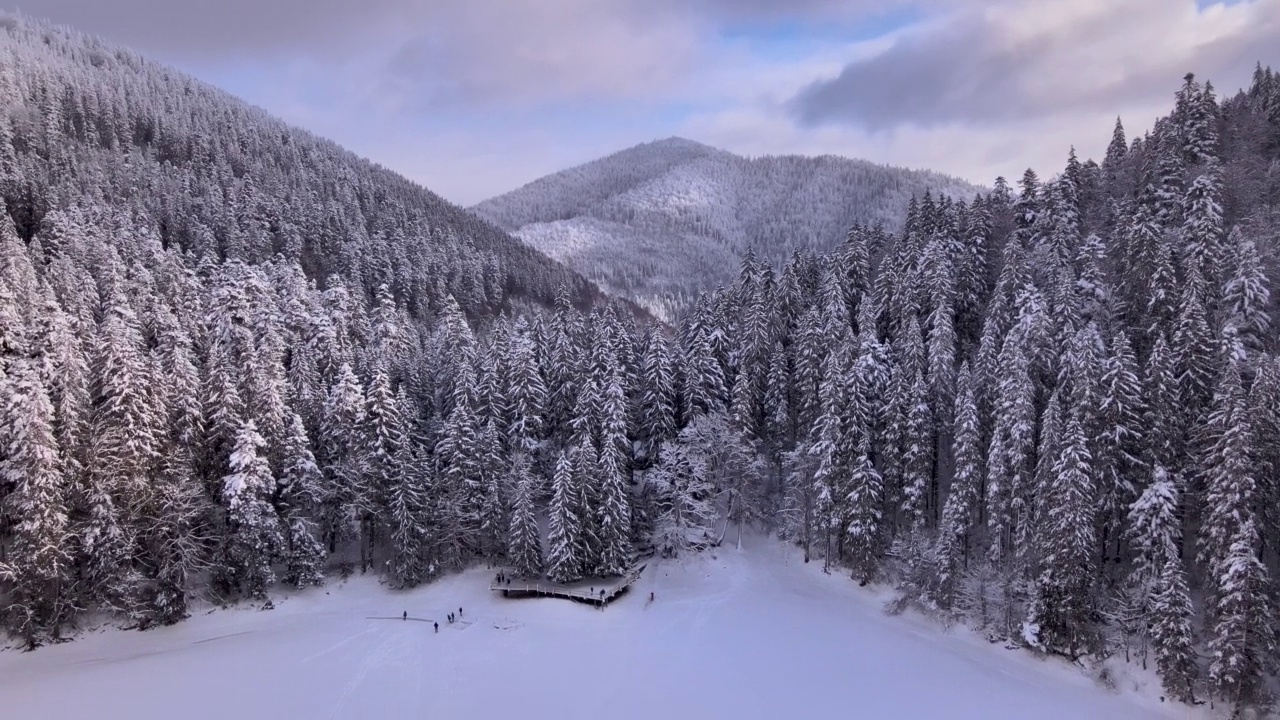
x=206 y=318
x=661 y=222
x=232 y=355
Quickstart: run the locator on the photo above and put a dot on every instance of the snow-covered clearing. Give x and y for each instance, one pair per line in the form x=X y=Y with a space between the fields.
x=750 y=633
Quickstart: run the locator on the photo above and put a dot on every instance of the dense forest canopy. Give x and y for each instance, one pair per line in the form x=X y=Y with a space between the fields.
x=1052 y=411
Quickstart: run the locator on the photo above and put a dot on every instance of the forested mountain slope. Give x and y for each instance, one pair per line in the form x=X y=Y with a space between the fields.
x=196 y=300
x=662 y=221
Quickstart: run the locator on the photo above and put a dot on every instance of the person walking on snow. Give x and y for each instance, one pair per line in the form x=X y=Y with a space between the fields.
x=406 y=615
x=437 y=626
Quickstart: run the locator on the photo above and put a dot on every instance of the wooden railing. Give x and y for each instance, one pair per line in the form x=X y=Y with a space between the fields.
x=602 y=596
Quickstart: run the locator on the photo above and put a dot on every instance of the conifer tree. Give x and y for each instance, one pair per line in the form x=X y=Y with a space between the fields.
x=961 y=510
x=1061 y=609
x=297 y=500
x=614 y=510
x=564 y=540
x=1245 y=296
x=346 y=495
x=253 y=538
x=1242 y=641
x=527 y=396
x=1171 y=632
x=39 y=565
x=524 y=540
x=1203 y=236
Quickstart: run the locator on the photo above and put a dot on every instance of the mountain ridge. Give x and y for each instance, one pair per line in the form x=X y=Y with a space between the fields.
x=664 y=220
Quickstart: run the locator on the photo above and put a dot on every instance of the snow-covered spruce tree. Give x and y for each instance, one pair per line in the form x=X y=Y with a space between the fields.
x=614 y=509
x=386 y=453
x=346 y=494
x=1195 y=354
x=492 y=525
x=1246 y=296
x=460 y=476
x=38 y=567
x=962 y=507
x=527 y=395
x=918 y=459
x=1119 y=431
x=1162 y=440
x=297 y=498
x=253 y=537
x=1203 y=240
x=1061 y=617
x=586 y=487
x=1160 y=583
x=564 y=540
x=656 y=416
x=830 y=446
x=1011 y=447
x=1230 y=478
x=1241 y=637
x=410 y=519
x=1242 y=642
x=175 y=536
x=686 y=505
x=124 y=441
x=865 y=500
x=524 y=540
x=1171 y=632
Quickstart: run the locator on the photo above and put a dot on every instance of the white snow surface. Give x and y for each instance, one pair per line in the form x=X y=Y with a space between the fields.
x=750 y=633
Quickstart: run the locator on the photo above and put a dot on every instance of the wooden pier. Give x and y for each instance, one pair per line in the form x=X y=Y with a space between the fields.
x=599 y=595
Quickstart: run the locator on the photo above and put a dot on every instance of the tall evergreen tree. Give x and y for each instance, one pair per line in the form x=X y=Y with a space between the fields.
x=524 y=541
x=253 y=539
x=39 y=565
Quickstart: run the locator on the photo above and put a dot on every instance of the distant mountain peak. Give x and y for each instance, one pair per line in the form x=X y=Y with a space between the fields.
x=661 y=221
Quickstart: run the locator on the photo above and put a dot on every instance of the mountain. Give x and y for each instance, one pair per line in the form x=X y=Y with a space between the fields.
x=230 y=349
x=663 y=221
x=205 y=174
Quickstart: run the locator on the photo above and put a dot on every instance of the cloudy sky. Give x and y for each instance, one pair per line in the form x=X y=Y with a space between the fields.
x=476 y=97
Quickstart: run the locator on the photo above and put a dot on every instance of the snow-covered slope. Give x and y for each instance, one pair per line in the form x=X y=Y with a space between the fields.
x=752 y=633
x=661 y=221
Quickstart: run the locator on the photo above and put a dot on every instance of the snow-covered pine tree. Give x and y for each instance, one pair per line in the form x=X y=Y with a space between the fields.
x=962 y=508
x=409 y=517
x=38 y=567
x=492 y=526
x=1061 y=612
x=613 y=518
x=253 y=537
x=1203 y=236
x=343 y=456
x=527 y=396
x=297 y=499
x=1245 y=296
x=564 y=540
x=656 y=421
x=686 y=504
x=1242 y=642
x=1012 y=445
x=524 y=540
x=1171 y=616
x=1160 y=581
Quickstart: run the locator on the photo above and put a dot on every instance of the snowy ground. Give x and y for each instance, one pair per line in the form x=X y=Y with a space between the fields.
x=752 y=633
